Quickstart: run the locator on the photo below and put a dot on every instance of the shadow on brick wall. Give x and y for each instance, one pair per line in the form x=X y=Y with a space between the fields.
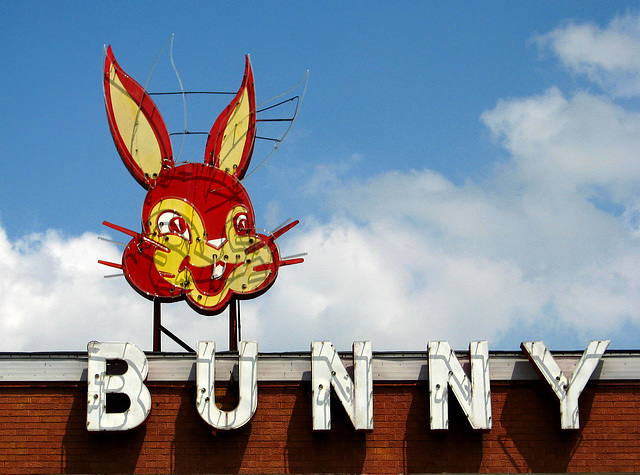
x=531 y=418
x=197 y=448
x=458 y=449
x=98 y=452
x=339 y=450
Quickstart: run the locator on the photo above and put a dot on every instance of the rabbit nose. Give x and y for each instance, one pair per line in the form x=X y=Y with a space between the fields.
x=217 y=243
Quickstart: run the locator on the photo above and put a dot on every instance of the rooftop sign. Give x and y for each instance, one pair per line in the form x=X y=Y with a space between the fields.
x=198 y=240
x=472 y=389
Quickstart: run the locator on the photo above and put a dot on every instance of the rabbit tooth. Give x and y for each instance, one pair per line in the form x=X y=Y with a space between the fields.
x=218 y=271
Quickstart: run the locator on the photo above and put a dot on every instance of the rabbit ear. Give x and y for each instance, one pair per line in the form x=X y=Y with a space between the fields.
x=230 y=143
x=138 y=130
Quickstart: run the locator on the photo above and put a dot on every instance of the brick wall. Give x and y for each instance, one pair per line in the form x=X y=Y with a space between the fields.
x=42 y=430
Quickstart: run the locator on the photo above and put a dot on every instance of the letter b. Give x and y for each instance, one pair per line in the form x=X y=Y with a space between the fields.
x=105 y=381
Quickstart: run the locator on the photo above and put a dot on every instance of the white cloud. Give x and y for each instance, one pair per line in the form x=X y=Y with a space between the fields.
x=548 y=244
x=412 y=257
x=54 y=296
x=570 y=142
x=547 y=247
x=609 y=56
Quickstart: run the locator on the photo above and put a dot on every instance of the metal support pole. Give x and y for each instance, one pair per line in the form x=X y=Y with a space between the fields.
x=157 y=326
x=176 y=339
x=234 y=314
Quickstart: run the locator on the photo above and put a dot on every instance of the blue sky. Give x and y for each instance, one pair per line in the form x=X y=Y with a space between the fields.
x=462 y=170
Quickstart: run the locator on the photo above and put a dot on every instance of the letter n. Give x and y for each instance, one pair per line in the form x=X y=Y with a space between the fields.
x=117 y=397
x=473 y=394
x=327 y=370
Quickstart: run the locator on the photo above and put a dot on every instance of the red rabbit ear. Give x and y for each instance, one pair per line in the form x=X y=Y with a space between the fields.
x=138 y=130
x=230 y=143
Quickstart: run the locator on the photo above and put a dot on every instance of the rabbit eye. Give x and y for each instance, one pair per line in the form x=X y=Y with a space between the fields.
x=173 y=223
x=242 y=224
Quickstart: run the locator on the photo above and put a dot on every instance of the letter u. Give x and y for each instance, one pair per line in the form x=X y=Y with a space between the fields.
x=205 y=381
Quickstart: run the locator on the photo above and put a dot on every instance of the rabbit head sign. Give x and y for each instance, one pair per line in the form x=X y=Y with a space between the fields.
x=198 y=240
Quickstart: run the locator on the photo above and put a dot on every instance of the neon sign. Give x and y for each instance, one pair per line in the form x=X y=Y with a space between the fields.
x=472 y=391
x=198 y=241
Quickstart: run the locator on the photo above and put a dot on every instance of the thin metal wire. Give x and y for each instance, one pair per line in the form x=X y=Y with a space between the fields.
x=278 y=104
x=184 y=98
x=273 y=120
x=186 y=132
x=294 y=98
x=268 y=138
x=133 y=132
x=304 y=79
x=282 y=225
x=153 y=66
x=112 y=241
x=302 y=254
x=189 y=92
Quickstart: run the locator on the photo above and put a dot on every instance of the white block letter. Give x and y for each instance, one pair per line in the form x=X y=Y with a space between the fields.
x=327 y=370
x=128 y=383
x=248 y=385
x=474 y=395
x=567 y=391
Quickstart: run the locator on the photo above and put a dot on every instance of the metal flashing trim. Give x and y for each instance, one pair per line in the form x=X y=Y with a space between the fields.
x=296 y=367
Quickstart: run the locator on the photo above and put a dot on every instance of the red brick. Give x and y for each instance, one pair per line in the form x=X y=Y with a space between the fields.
x=42 y=429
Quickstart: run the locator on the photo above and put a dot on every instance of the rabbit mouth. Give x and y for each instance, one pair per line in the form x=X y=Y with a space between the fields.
x=218 y=267
x=218 y=270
